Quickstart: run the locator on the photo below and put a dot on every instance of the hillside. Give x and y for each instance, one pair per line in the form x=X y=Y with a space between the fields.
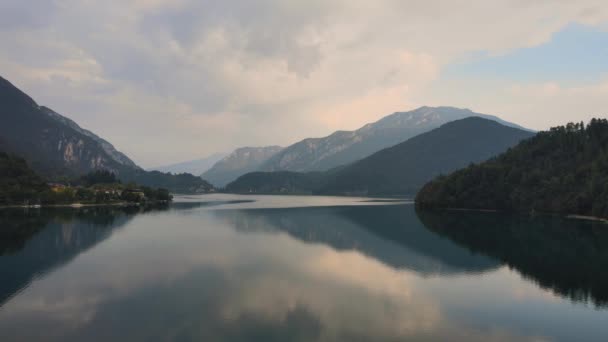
x=195 y=167
x=57 y=148
x=401 y=169
x=345 y=147
x=282 y=182
x=562 y=170
x=239 y=162
x=52 y=144
x=18 y=183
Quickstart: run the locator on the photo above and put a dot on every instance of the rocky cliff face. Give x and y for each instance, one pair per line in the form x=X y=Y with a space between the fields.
x=56 y=147
x=114 y=154
x=238 y=163
x=52 y=144
x=345 y=147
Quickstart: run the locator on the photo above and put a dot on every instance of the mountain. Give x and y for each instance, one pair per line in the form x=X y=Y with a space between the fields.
x=401 y=169
x=52 y=144
x=345 y=147
x=195 y=167
x=105 y=145
x=563 y=170
x=239 y=162
x=404 y=168
x=57 y=148
x=302 y=183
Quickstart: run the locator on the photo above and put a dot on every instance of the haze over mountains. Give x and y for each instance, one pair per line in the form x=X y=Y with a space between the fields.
x=195 y=167
x=57 y=148
x=340 y=148
x=398 y=170
x=371 y=160
x=241 y=161
x=345 y=147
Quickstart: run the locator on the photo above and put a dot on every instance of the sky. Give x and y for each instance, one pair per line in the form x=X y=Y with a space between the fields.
x=173 y=80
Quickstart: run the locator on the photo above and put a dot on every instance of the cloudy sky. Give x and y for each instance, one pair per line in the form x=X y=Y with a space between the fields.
x=172 y=80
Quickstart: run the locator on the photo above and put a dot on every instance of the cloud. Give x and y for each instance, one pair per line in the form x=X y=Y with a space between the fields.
x=173 y=80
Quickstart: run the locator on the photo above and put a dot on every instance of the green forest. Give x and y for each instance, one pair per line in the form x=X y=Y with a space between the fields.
x=563 y=170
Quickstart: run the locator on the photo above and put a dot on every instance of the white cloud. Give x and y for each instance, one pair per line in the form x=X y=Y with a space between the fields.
x=173 y=80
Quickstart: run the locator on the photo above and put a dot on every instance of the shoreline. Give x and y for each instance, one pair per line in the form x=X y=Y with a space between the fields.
x=77 y=205
x=587 y=217
x=563 y=215
x=478 y=210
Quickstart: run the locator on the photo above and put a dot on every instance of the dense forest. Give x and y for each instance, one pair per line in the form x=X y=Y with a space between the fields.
x=399 y=170
x=563 y=170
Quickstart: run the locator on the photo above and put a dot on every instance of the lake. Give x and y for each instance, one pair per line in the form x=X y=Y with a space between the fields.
x=290 y=268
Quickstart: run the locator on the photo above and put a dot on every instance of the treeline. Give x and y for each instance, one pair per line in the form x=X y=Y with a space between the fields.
x=20 y=185
x=183 y=183
x=280 y=182
x=563 y=170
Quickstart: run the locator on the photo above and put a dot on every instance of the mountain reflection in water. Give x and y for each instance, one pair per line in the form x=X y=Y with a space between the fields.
x=568 y=256
x=391 y=234
x=317 y=268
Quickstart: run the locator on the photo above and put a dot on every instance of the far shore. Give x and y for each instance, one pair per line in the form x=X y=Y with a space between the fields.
x=75 y=205
x=478 y=210
x=588 y=218
x=568 y=216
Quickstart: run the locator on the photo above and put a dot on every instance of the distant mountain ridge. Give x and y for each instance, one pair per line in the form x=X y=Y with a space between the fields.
x=241 y=161
x=195 y=167
x=57 y=148
x=345 y=147
x=398 y=170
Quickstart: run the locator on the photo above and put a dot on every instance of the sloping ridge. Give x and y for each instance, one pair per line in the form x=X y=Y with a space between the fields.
x=241 y=161
x=398 y=170
x=404 y=168
x=52 y=144
x=345 y=147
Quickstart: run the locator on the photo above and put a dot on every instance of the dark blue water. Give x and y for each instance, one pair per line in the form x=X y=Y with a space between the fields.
x=299 y=269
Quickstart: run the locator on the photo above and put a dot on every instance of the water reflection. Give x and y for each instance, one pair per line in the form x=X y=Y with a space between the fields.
x=194 y=272
x=391 y=234
x=185 y=275
x=569 y=257
x=34 y=242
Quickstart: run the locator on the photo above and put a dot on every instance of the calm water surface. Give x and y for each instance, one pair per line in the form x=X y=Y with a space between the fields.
x=272 y=268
